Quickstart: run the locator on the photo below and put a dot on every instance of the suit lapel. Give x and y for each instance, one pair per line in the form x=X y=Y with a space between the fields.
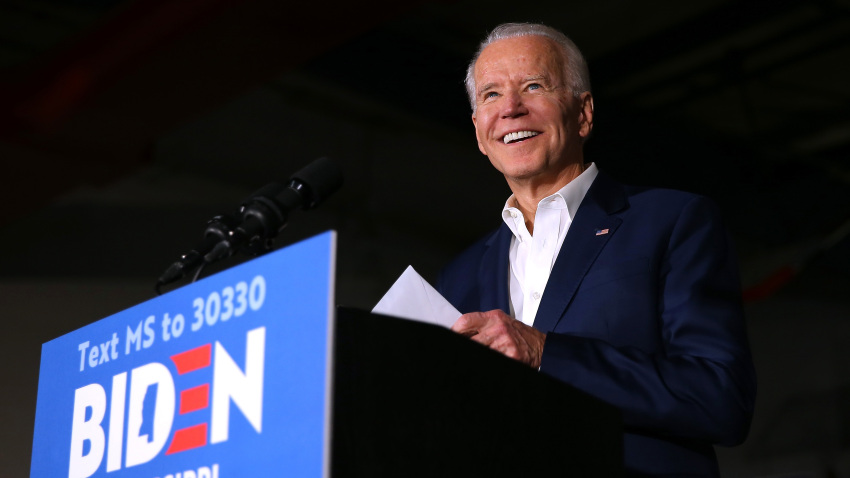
x=493 y=278
x=581 y=248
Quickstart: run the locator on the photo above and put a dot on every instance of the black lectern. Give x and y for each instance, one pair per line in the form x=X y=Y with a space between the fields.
x=417 y=400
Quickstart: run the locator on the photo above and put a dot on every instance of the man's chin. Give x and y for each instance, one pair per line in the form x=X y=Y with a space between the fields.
x=519 y=168
x=523 y=175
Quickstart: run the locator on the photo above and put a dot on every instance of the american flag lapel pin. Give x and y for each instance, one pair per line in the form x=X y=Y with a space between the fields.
x=600 y=232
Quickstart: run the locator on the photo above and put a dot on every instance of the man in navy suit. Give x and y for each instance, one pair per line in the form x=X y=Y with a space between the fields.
x=630 y=294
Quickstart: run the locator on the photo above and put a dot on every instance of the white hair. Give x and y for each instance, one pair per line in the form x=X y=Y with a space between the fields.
x=576 y=74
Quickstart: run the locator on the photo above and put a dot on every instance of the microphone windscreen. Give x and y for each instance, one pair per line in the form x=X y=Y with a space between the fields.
x=322 y=177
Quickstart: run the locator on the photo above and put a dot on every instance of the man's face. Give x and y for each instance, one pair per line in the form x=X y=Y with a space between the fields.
x=527 y=122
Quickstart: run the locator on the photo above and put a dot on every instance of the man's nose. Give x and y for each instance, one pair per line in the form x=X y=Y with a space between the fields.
x=513 y=105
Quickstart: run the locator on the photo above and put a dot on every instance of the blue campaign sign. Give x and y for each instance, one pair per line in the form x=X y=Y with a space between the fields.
x=226 y=377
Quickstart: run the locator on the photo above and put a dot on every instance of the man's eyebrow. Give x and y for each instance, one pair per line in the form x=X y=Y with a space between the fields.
x=536 y=77
x=489 y=86
x=485 y=87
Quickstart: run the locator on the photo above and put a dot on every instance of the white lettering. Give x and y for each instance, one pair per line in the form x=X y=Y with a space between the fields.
x=213 y=308
x=149 y=334
x=166 y=321
x=241 y=299
x=91 y=397
x=257 y=293
x=141 y=448
x=116 y=422
x=227 y=294
x=93 y=357
x=245 y=389
x=199 y=314
x=134 y=337
x=82 y=348
x=177 y=325
x=114 y=342
x=104 y=353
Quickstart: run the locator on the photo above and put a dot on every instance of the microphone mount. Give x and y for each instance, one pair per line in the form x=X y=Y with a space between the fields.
x=259 y=219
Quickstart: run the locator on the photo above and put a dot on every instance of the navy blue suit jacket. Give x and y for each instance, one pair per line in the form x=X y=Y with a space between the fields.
x=642 y=310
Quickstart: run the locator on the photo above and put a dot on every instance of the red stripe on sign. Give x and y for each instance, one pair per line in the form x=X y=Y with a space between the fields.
x=188 y=438
x=195 y=398
x=193 y=359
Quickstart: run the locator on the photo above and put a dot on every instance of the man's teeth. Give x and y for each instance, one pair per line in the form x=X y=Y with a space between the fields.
x=519 y=135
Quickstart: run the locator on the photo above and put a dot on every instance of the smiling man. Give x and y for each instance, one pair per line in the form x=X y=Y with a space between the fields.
x=526 y=119
x=630 y=294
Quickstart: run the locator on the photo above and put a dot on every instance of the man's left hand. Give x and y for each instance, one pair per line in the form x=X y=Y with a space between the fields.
x=503 y=333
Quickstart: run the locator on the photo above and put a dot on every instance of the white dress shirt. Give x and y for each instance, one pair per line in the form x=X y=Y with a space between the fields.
x=532 y=257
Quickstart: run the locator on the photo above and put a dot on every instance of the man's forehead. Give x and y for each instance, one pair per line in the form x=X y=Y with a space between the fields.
x=527 y=57
x=524 y=48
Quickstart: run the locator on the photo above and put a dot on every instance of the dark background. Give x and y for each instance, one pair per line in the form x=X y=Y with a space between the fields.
x=125 y=125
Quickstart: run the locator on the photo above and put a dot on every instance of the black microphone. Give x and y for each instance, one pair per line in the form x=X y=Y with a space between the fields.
x=260 y=218
x=265 y=213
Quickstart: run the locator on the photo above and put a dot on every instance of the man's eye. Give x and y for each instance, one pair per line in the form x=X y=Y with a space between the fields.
x=534 y=86
x=490 y=94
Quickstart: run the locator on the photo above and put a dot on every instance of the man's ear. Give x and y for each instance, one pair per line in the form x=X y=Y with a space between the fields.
x=585 y=119
x=477 y=138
